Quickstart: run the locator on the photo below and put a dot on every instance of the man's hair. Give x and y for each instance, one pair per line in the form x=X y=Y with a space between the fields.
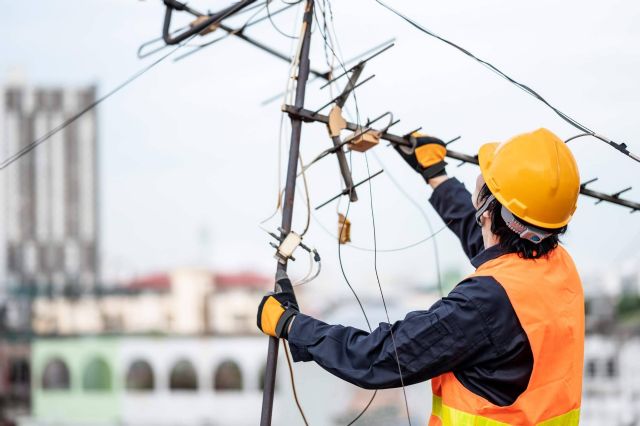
x=509 y=240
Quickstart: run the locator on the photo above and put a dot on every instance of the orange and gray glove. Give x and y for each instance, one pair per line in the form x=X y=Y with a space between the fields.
x=277 y=310
x=426 y=155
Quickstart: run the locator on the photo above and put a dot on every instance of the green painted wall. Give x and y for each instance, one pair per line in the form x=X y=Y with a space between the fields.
x=76 y=404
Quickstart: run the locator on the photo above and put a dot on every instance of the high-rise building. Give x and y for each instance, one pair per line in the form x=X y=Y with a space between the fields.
x=49 y=220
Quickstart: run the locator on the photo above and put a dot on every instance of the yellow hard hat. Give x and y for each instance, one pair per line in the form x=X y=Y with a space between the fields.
x=533 y=175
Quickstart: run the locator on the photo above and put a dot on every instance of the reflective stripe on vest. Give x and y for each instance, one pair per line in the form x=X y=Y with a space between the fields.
x=546 y=295
x=443 y=415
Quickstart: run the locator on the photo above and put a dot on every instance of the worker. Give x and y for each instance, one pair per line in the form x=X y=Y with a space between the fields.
x=506 y=345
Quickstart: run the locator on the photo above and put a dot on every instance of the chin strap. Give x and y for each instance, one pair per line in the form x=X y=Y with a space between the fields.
x=483 y=208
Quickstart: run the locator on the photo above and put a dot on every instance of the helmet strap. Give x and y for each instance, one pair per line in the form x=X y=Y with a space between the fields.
x=527 y=232
x=483 y=208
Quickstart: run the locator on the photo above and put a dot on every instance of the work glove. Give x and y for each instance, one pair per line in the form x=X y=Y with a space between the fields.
x=277 y=310
x=426 y=155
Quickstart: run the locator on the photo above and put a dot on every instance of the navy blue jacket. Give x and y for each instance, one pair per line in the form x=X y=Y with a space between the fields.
x=473 y=331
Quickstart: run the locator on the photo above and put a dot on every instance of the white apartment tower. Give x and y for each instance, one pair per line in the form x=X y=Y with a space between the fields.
x=48 y=240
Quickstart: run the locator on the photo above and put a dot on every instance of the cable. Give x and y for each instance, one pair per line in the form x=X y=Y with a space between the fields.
x=273 y=24
x=618 y=146
x=581 y=135
x=387 y=250
x=344 y=275
x=293 y=383
x=287 y=92
x=31 y=146
x=313 y=256
x=402 y=191
x=392 y=250
x=340 y=62
x=384 y=303
x=373 y=222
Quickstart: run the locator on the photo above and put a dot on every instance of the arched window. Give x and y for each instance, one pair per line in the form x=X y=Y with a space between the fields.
x=183 y=376
x=55 y=375
x=97 y=375
x=228 y=376
x=140 y=376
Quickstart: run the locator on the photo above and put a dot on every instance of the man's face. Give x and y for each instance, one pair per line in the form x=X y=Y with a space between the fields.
x=479 y=185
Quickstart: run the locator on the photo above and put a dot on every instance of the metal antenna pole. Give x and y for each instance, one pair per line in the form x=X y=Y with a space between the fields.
x=289 y=193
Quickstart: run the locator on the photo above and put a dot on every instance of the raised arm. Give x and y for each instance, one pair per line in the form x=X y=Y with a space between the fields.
x=450 y=198
x=452 y=201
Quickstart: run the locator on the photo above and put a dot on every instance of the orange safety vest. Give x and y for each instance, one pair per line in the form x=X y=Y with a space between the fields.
x=548 y=299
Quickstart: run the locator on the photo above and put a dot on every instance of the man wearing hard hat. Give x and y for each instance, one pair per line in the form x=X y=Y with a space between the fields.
x=505 y=346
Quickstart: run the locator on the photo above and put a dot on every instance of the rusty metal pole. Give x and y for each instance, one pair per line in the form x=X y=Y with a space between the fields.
x=289 y=194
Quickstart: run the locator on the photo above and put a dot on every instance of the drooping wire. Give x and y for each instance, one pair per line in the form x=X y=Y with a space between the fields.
x=341 y=63
x=418 y=207
x=293 y=382
x=273 y=24
x=618 y=146
x=288 y=93
x=384 y=303
x=380 y=250
x=355 y=295
x=344 y=275
x=33 y=145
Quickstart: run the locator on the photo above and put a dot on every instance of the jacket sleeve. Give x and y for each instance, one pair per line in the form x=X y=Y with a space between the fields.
x=452 y=334
x=452 y=201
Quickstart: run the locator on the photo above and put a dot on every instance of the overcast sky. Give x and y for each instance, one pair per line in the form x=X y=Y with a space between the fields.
x=188 y=156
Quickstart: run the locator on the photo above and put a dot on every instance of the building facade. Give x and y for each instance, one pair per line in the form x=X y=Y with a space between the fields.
x=183 y=302
x=49 y=240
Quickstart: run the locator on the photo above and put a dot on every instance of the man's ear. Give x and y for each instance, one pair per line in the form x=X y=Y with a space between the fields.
x=486 y=215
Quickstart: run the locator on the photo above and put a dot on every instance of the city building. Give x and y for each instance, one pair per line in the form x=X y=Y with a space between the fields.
x=611 y=387
x=184 y=302
x=48 y=215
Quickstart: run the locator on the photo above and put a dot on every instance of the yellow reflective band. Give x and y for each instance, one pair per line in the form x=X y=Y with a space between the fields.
x=568 y=419
x=453 y=417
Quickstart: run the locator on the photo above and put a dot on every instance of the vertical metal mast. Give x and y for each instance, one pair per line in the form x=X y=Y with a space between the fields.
x=289 y=194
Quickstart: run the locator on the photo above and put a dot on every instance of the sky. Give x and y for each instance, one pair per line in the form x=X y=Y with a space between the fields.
x=189 y=156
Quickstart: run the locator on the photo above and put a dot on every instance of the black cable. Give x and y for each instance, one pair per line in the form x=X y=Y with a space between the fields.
x=346 y=280
x=273 y=24
x=618 y=146
x=581 y=135
x=344 y=275
x=30 y=147
x=384 y=303
x=426 y=219
x=355 y=100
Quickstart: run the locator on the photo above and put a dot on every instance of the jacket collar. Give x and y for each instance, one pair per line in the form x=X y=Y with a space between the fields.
x=486 y=255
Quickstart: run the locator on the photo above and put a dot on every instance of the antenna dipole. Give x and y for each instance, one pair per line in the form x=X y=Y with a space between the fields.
x=289 y=194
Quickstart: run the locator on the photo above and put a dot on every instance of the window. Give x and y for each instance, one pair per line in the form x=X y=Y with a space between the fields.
x=19 y=376
x=227 y=377
x=183 y=376
x=140 y=376
x=591 y=368
x=97 y=375
x=612 y=368
x=55 y=375
x=18 y=371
